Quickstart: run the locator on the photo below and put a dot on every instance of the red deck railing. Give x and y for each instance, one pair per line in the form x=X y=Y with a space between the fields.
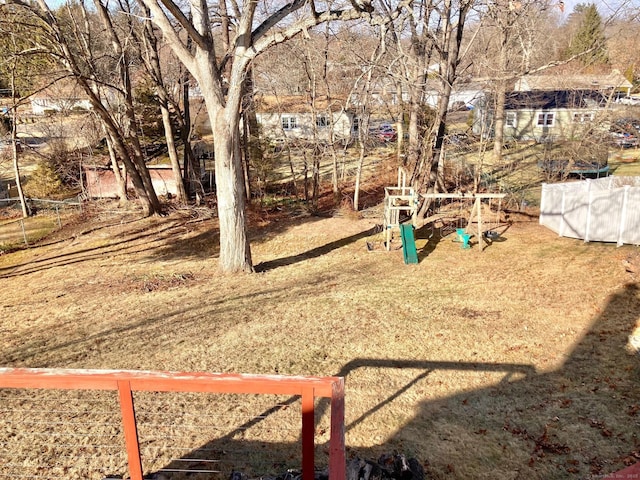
x=126 y=382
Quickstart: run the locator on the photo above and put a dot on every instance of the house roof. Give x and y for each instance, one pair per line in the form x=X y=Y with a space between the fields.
x=610 y=81
x=63 y=88
x=477 y=84
x=297 y=104
x=554 y=99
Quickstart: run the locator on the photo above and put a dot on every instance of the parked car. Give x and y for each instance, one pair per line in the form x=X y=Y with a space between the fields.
x=625 y=140
x=629 y=100
x=625 y=133
x=5 y=145
x=384 y=133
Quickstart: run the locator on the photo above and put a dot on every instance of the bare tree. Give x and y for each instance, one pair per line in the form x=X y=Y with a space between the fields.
x=449 y=49
x=20 y=69
x=151 y=61
x=362 y=94
x=514 y=33
x=220 y=76
x=71 y=44
x=14 y=149
x=128 y=126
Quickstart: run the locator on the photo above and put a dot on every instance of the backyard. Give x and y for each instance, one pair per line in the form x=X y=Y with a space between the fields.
x=510 y=363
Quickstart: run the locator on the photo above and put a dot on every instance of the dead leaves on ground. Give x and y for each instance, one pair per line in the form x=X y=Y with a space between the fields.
x=160 y=282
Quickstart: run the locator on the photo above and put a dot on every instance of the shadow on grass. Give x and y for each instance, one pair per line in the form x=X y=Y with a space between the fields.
x=142 y=239
x=571 y=422
x=314 y=252
x=169 y=238
x=49 y=351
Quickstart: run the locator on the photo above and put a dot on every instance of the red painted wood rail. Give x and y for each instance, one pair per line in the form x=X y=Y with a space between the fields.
x=125 y=382
x=630 y=473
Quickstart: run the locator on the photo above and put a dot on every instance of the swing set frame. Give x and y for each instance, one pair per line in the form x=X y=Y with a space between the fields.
x=404 y=199
x=476 y=210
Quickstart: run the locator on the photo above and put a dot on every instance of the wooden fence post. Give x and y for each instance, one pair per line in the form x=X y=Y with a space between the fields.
x=130 y=429
x=308 y=431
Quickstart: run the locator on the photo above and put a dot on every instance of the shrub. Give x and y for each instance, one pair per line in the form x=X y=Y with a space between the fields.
x=44 y=181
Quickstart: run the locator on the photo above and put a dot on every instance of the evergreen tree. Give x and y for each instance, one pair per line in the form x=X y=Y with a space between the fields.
x=589 y=40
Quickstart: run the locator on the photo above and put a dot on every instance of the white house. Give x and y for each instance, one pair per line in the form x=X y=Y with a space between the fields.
x=297 y=118
x=463 y=94
x=542 y=115
x=63 y=96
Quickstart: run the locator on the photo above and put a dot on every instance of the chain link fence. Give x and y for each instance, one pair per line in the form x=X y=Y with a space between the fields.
x=45 y=216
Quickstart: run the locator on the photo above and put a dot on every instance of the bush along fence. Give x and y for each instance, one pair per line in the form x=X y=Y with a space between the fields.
x=602 y=210
x=100 y=439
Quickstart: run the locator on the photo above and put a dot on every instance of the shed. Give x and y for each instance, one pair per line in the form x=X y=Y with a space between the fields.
x=62 y=96
x=100 y=182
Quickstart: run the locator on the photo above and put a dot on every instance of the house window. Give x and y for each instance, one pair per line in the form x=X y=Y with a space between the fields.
x=289 y=123
x=322 y=121
x=545 y=119
x=510 y=119
x=582 y=117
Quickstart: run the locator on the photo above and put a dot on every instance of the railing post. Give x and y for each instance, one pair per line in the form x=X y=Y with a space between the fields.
x=308 y=433
x=337 y=460
x=130 y=429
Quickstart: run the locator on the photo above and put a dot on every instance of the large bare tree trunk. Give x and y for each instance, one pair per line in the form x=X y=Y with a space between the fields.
x=221 y=80
x=235 y=254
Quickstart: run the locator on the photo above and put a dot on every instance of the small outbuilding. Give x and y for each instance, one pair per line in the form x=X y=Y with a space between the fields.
x=63 y=96
x=100 y=181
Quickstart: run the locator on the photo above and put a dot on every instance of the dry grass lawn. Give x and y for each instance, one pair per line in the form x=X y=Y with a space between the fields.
x=506 y=364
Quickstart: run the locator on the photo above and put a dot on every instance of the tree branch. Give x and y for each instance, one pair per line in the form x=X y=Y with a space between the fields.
x=169 y=33
x=184 y=22
x=276 y=17
x=262 y=41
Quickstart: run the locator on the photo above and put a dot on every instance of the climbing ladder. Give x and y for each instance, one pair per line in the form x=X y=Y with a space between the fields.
x=397 y=200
